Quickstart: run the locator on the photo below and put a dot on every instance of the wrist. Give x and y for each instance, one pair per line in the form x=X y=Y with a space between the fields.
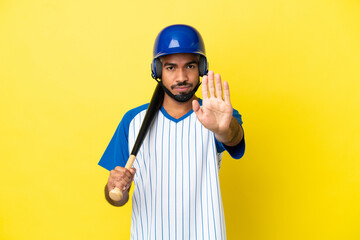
x=232 y=136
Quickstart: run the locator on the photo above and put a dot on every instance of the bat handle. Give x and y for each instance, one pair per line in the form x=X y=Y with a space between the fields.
x=116 y=194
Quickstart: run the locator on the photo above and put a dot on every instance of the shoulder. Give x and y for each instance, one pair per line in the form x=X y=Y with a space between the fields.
x=132 y=113
x=129 y=116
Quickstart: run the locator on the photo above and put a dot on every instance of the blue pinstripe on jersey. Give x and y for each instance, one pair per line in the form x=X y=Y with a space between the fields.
x=175 y=162
x=182 y=185
x=211 y=198
x=189 y=177
x=218 y=192
x=142 y=184
x=138 y=195
x=150 y=186
x=156 y=169
x=195 y=157
x=201 y=176
x=168 y=172
x=207 y=194
x=162 y=174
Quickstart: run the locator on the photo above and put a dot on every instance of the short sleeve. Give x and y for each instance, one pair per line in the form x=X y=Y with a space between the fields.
x=117 y=152
x=236 y=151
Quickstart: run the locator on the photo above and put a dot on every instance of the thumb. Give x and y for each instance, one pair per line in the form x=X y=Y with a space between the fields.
x=196 y=108
x=132 y=171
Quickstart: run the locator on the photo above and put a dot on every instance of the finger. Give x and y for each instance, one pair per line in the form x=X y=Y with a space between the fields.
x=120 y=175
x=218 y=86
x=204 y=87
x=114 y=175
x=110 y=185
x=226 y=93
x=120 y=171
x=197 y=109
x=211 y=84
x=128 y=184
x=122 y=184
x=195 y=105
x=123 y=177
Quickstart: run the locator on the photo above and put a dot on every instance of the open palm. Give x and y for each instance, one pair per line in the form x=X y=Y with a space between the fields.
x=215 y=113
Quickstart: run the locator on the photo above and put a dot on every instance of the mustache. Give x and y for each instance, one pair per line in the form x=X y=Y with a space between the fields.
x=180 y=84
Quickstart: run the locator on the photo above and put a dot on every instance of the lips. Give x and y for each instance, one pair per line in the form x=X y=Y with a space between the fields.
x=182 y=88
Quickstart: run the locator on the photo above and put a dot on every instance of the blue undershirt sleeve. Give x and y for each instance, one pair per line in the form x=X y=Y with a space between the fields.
x=236 y=151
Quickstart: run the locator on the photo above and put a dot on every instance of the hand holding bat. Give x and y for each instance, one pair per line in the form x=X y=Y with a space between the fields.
x=121 y=178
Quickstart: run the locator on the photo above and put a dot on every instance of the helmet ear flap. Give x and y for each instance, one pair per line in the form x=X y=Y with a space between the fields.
x=203 y=66
x=156 y=68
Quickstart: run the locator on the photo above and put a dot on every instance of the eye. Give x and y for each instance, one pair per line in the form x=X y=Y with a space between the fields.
x=191 y=66
x=170 y=68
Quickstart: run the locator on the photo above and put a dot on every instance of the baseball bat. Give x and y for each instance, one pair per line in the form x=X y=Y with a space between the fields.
x=154 y=105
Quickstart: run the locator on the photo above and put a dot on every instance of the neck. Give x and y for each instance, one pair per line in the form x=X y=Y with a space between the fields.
x=177 y=109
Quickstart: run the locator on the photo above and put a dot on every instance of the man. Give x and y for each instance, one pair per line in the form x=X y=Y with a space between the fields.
x=176 y=171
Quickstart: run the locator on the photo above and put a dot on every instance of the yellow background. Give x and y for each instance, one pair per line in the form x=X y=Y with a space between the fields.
x=69 y=70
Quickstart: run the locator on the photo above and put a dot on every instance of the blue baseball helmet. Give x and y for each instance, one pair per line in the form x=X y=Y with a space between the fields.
x=178 y=39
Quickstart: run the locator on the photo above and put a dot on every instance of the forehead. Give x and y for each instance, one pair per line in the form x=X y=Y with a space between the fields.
x=180 y=58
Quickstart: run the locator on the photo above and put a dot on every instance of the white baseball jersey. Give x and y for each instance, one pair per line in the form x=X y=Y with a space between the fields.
x=177 y=191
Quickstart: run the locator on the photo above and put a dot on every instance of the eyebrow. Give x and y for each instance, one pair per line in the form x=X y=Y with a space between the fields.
x=174 y=64
x=169 y=64
x=192 y=62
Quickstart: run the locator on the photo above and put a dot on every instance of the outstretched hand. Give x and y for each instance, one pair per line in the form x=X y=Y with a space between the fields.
x=216 y=112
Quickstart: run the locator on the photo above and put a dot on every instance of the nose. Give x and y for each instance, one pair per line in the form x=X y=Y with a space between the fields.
x=182 y=75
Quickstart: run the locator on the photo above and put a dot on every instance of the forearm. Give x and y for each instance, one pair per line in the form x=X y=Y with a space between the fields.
x=114 y=203
x=233 y=135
